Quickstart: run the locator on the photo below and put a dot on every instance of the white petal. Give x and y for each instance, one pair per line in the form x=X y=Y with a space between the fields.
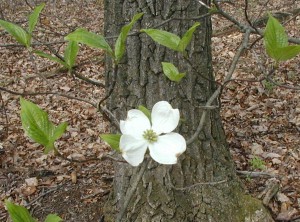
x=167 y=148
x=164 y=118
x=135 y=124
x=133 y=150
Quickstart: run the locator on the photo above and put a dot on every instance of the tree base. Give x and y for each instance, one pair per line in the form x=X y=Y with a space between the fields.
x=237 y=207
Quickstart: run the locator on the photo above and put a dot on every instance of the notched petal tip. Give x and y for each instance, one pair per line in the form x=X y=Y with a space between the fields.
x=168 y=148
x=177 y=154
x=164 y=118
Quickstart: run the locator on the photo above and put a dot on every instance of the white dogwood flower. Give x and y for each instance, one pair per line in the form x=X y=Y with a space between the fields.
x=138 y=134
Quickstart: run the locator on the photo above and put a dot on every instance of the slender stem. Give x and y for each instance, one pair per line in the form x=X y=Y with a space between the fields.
x=112 y=86
x=216 y=94
x=46 y=93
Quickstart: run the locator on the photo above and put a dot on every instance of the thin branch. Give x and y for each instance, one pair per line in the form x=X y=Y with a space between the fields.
x=237 y=55
x=102 y=158
x=112 y=86
x=203 y=4
x=109 y=116
x=88 y=80
x=197 y=184
x=244 y=28
x=102 y=192
x=100 y=108
x=216 y=94
x=5 y=114
x=253 y=174
x=246 y=13
x=33 y=44
x=262 y=9
x=132 y=189
x=42 y=195
x=32 y=58
x=282 y=85
x=228 y=17
x=167 y=21
x=182 y=19
x=46 y=93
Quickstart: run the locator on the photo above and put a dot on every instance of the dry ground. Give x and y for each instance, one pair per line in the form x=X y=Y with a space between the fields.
x=260 y=119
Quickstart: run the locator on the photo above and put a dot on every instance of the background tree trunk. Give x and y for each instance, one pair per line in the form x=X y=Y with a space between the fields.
x=140 y=81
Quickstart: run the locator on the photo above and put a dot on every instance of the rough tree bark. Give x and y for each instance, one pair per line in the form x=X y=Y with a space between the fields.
x=190 y=190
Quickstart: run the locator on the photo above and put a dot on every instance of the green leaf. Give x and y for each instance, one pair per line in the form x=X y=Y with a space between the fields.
x=145 y=111
x=187 y=37
x=113 y=140
x=50 y=57
x=37 y=126
x=18 y=213
x=33 y=17
x=59 y=130
x=121 y=41
x=286 y=53
x=89 y=38
x=276 y=41
x=71 y=53
x=17 y=32
x=274 y=36
x=172 y=72
x=164 y=38
x=53 y=218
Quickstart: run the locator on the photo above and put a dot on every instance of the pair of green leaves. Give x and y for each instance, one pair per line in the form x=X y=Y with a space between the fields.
x=21 y=35
x=175 y=43
x=98 y=41
x=37 y=126
x=276 y=41
x=113 y=140
x=24 y=37
x=70 y=55
x=21 y=214
x=171 y=40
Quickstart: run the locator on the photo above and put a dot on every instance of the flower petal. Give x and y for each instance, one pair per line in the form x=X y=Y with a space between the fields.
x=164 y=118
x=167 y=148
x=135 y=124
x=133 y=150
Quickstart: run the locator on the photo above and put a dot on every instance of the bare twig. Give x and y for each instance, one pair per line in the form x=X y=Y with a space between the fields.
x=46 y=93
x=100 y=108
x=244 y=28
x=167 y=21
x=100 y=192
x=5 y=114
x=216 y=94
x=112 y=86
x=228 y=17
x=253 y=174
x=102 y=158
x=111 y=118
x=181 y=19
x=282 y=85
x=32 y=58
x=42 y=195
x=88 y=80
x=197 y=184
x=34 y=44
x=203 y=4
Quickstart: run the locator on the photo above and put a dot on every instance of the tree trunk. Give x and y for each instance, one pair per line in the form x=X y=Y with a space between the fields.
x=203 y=185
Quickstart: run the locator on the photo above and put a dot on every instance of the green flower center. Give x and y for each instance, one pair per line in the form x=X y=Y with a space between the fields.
x=150 y=136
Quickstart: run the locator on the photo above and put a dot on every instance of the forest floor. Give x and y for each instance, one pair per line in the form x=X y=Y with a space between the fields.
x=261 y=120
